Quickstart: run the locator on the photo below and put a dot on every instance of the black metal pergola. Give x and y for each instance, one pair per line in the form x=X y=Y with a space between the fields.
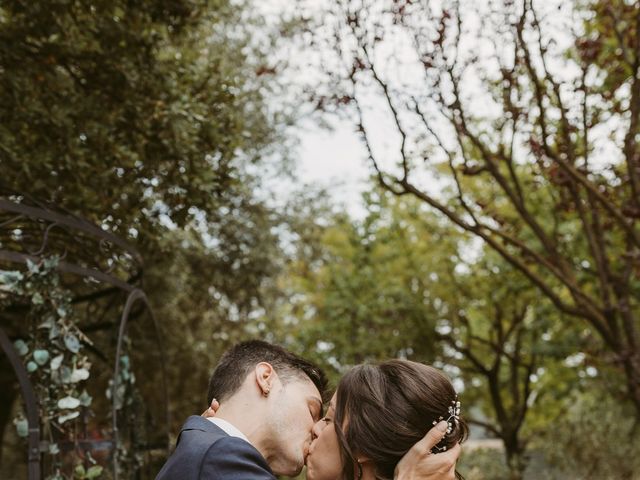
x=91 y=257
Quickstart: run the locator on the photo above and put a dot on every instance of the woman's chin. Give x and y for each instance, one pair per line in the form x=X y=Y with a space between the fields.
x=311 y=471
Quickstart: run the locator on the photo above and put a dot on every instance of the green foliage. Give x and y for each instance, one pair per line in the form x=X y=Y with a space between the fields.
x=357 y=291
x=80 y=473
x=155 y=121
x=53 y=352
x=402 y=283
x=145 y=118
x=130 y=114
x=484 y=464
x=594 y=437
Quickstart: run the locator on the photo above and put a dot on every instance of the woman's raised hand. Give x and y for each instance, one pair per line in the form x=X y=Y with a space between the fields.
x=420 y=464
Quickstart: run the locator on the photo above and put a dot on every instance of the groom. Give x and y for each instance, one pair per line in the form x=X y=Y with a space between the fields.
x=269 y=401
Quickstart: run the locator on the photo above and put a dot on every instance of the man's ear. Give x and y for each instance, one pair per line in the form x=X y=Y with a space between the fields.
x=265 y=377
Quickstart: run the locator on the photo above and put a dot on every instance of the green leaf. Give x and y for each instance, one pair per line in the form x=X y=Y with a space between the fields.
x=79 y=375
x=85 y=399
x=94 y=471
x=56 y=361
x=48 y=322
x=21 y=347
x=37 y=299
x=68 y=403
x=41 y=357
x=22 y=426
x=8 y=277
x=71 y=342
x=32 y=366
x=67 y=417
x=65 y=374
x=33 y=267
x=54 y=332
x=51 y=262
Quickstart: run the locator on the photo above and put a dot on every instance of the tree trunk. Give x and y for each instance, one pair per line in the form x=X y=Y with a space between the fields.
x=515 y=457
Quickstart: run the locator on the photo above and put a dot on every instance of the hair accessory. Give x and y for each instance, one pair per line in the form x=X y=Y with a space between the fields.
x=454 y=416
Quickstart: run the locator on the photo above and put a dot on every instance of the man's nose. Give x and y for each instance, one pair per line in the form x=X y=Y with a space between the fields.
x=317 y=428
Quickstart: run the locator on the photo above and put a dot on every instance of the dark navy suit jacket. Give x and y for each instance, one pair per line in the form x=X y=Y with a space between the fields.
x=205 y=451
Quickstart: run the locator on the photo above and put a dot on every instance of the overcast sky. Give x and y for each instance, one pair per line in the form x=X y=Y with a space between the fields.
x=336 y=159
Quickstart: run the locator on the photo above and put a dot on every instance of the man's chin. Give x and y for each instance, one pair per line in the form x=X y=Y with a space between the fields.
x=289 y=470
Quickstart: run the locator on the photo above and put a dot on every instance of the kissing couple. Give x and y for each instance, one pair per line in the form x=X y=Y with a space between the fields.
x=393 y=420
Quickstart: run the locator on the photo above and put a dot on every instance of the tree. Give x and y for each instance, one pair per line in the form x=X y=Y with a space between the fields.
x=520 y=128
x=356 y=291
x=152 y=120
x=402 y=283
x=505 y=342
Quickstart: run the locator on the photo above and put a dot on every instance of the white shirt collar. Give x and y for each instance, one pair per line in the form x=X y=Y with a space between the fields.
x=228 y=428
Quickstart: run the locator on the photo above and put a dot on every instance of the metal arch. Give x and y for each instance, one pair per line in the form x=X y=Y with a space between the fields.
x=58 y=217
x=69 y=221
x=69 y=268
x=134 y=296
x=31 y=405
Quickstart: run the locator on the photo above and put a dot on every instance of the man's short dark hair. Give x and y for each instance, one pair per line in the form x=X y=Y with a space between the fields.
x=236 y=363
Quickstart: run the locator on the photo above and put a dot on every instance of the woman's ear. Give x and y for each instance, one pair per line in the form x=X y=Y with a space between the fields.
x=265 y=378
x=363 y=468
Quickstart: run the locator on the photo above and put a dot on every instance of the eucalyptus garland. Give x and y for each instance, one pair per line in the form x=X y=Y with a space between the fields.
x=53 y=353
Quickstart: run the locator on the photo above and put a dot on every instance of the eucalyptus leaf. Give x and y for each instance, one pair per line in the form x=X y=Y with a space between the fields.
x=94 y=472
x=65 y=374
x=21 y=347
x=33 y=267
x=56 y=361
x=32 y=366
x=37 y=299
x=54 y=332
x=68 y=402
x=48 y=322
x=51 y=262
x=41 y=357
x=22 y=427
x=54 y=449
x=78 y=375
x=67 y=417
x=125 y=363
x=9 y=277
x=71 y=342
x=85 y=399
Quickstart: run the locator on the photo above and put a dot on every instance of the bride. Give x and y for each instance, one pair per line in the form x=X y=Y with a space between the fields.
x=375 y=417
x=376 y=423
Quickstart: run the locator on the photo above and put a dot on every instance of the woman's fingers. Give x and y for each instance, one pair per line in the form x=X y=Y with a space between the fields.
x=432 y=438
x=420 y=464
x=213 y=408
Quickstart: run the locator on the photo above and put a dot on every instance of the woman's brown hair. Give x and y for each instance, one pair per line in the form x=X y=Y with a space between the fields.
x=382 y=410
